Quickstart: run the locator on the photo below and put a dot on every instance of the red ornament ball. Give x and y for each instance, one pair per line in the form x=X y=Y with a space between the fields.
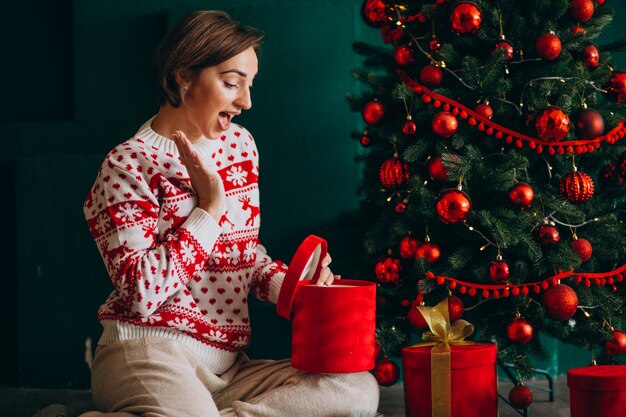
x=374 y=13
x=583 y=248
x=499 y=271
x=590 y=56
x=445 y=124
x=600 y=2
x=386 y=372
x=428 y=251
x=431 y=75
x=453 y=206
x=466 y=18
x=408 y=247
x=387 y=271
x=365 y=140
x=394 y=173
x=589 y=124
x=552 y=124
x=520 y=397
x=484 y=110
x=581 y=10
x=455 y=308
x=409 y=128
x=577 y=187
x=616 y=87
x=436 y=169
x=400 y=208
x=403 y=56
x=373 y=112
x=617 y=344
x=520 y=331
x=576 y=29
x=416 y=318
x=505 y=46
x=548 y=46
x=434 y=45
x=548 y=235
x=560 y=302
x=521 y=194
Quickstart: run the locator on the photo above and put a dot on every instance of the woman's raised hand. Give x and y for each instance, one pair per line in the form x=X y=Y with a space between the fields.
x=204 y=180
x=326 y=275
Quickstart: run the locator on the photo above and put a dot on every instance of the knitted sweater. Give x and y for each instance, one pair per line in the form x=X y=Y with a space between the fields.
x=176 y=272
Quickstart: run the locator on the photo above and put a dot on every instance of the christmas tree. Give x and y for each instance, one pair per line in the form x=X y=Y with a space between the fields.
x=494 y=167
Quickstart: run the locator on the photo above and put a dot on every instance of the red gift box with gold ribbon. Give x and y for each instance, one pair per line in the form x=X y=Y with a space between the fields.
x=333 y=327
x=448 y=376
x=598 y=391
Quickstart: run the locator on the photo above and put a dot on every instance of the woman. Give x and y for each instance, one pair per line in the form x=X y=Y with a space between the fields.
x=175 y=214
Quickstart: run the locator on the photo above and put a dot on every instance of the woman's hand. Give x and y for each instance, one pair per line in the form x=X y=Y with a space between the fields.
x=326 y=275
x=205 y=181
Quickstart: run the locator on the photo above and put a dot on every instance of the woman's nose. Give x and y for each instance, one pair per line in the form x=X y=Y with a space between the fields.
x=244 y=100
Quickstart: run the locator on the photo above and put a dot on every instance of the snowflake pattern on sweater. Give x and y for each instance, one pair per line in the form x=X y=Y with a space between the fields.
x=172 y=265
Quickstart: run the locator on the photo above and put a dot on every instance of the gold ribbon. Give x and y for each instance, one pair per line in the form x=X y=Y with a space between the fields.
x=442 y=334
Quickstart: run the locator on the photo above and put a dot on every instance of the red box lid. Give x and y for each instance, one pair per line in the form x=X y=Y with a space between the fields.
x=462 y=356
x=598 y=378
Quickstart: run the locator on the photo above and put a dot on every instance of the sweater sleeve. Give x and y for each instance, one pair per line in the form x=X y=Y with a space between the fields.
x=268 y=276
x=122 y=214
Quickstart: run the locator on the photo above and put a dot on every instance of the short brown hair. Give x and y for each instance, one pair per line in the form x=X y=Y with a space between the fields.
x=200 y=40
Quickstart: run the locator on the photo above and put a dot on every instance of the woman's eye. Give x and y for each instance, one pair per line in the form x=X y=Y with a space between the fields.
x=229 y=85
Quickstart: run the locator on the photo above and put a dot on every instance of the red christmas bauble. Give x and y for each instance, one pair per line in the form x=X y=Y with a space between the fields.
x=400 y=208
x=455 y=308
x=434 y=45
x=428 y=251
x=374 y=13
x=436 y=169
x=394 y=173
x=617 y=344
x=431 y=75
x=589 y=124
x=590 y=56
x=581 y=10
x=484 y=110
x=616 y=87
x=365 y=140
x=578 y=29
x=404 y=55
x=409 y=128
x=386 y=372
x=391 y=33
x=373 y=112
x=445 y=124
x=465 y=18
x=507 y=47
x=408 y=247
x=499 y=271
x=600 y=2
x=548 y=46
x=520 y=331
x=577 y=187
x=520 y=397
x=560 y=302
x=548 y=235
x=583 y=248
x=416 y=318
x=521 y=194
x=387 y=271
x=552 y=124
x=453 y=206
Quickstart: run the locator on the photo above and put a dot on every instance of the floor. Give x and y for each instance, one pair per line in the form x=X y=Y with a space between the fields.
x=29 y=403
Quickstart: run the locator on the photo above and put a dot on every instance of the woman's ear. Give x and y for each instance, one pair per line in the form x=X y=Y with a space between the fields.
x=183 y=77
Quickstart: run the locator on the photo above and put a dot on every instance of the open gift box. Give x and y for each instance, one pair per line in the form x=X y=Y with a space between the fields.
x=598 y=391
x=333 y=327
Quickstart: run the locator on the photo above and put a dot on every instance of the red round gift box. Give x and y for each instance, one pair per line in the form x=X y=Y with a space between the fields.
x=333 y=327
x=598 y=391
x=474 y=383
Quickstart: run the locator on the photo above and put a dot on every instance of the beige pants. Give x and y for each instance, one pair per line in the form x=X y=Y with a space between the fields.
x=158 y=377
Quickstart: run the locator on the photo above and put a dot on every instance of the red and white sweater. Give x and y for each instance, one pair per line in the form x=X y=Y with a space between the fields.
x=176 y=272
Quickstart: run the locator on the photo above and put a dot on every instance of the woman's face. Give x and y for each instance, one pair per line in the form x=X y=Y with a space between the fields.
x=220 y=93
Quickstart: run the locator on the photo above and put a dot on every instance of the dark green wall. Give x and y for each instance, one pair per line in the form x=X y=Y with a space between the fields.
x=76 y=80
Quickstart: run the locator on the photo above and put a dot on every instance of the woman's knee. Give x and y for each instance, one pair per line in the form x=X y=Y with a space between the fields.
x=359 y=393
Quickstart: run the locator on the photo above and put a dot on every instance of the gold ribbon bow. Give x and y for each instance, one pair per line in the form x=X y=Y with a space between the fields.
x=442 y=334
